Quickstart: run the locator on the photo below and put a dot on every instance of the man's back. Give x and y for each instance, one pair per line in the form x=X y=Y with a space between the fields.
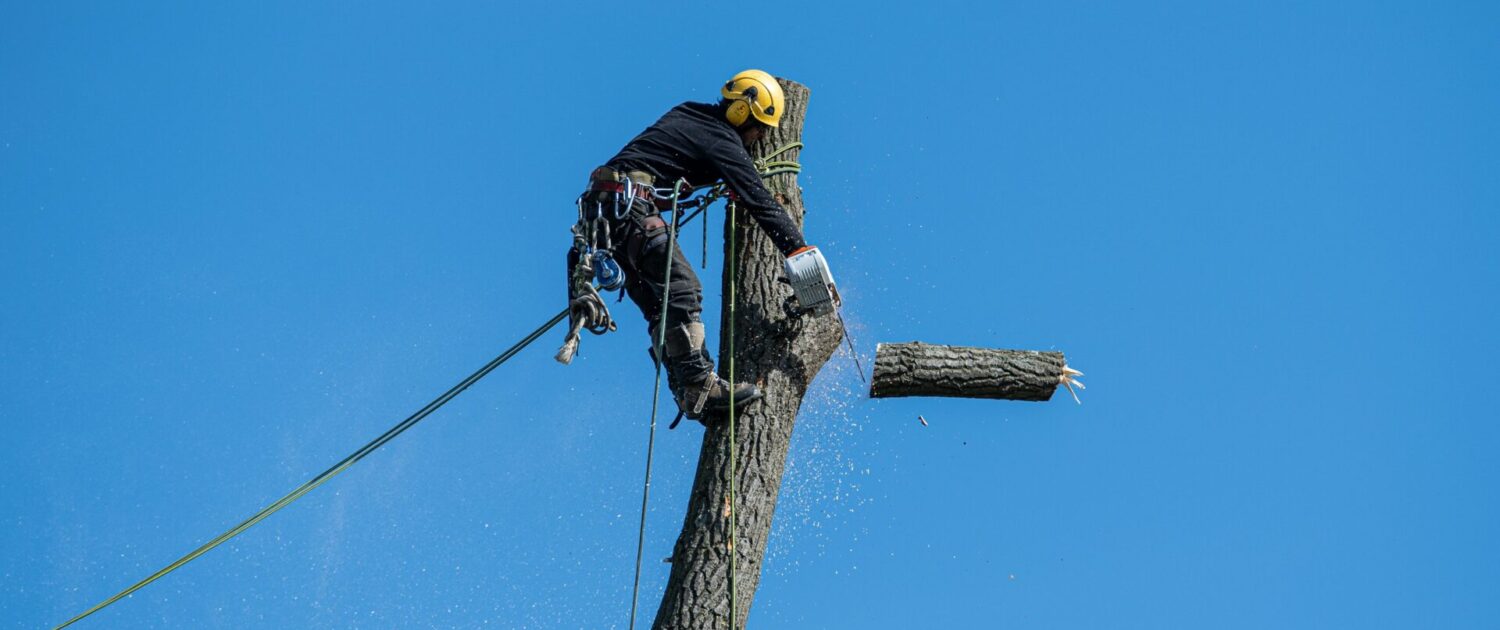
x=692 y=141
x=675 y=145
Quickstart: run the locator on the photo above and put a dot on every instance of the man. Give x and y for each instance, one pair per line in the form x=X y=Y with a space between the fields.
x=701 y=143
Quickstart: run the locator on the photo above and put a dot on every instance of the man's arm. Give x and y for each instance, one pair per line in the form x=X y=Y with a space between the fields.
x=738 y=172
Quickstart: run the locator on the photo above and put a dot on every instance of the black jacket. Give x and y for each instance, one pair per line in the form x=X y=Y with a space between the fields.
x=694 y=142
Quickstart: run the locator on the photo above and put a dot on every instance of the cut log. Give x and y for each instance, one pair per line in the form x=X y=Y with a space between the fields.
x=920 y=369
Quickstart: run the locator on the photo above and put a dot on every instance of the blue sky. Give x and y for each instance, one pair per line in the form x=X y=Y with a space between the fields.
x=241 y=241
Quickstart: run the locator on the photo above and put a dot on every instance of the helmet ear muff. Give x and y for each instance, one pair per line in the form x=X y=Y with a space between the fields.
x=738 y=112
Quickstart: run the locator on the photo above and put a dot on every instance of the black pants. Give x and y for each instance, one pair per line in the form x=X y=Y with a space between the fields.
x=642 y=254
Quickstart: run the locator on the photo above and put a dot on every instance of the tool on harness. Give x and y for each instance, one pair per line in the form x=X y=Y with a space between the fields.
x=612 y=197
x=586 y=310
x=607 y=272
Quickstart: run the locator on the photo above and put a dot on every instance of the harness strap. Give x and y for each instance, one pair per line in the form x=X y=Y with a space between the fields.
x=644 y=193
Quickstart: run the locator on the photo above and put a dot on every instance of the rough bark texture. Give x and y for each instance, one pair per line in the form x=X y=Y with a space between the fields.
x=781 y=354
x=919 y=369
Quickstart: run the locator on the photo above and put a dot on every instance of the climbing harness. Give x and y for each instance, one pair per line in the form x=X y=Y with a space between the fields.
x=591 y=259
x=323 y=477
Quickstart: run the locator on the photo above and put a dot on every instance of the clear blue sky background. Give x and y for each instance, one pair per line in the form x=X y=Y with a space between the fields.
x=236 y=243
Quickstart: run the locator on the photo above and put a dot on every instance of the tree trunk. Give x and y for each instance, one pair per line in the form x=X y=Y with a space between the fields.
x=780 y=354
x=919 y=369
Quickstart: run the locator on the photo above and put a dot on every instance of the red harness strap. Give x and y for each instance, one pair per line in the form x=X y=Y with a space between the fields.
x=642 y=191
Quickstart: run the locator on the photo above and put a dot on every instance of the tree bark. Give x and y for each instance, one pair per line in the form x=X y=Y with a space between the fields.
x=779 y=353
x=919 y=369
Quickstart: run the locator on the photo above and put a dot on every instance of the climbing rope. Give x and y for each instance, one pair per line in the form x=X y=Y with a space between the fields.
x=733 y=443
x=585 y=314
x=319 y=480
x=658 y=355
x=767 y=168
x=700 y=204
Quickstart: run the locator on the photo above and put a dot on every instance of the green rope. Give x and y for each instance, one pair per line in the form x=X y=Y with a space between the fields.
x=658 y=355
x=767 y=168
x=319 y=480
x=733 y=443
x=760 y=163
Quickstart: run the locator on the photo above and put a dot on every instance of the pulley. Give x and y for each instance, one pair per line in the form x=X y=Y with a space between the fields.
x=607 y=272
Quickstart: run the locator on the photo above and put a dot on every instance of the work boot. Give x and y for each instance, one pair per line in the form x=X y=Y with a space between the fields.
x=672 y=385
x=690 y=375
x=703 y=390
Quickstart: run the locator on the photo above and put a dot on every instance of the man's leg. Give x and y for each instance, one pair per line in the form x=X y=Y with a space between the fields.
x=690 y=366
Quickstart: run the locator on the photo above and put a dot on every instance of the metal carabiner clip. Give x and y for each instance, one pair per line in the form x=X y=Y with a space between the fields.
x=629 y=198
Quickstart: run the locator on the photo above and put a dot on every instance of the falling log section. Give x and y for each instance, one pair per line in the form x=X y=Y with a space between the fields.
x=921 y=369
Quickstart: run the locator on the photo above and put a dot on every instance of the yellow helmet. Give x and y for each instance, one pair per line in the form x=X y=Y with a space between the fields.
x=753 y=92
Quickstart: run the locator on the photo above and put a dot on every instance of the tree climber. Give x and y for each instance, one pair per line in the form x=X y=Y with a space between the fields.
x=701 y=143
